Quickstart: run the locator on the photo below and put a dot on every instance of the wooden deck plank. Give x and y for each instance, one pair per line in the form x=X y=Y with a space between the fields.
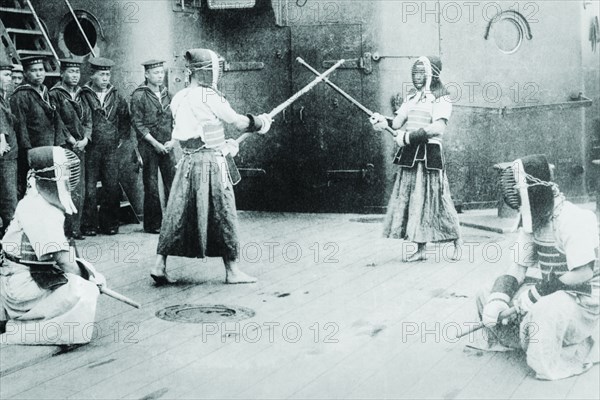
x=138 y=249
x=498 y=379
x=414 y=316
x=253 y=355
x=133 y=246
x=114 y=263
x=586 y=386
x=154 y=294
x=373 y=361
x=298 y=373
x=283 y=274
x=458 y=368
x=370 y=295
x=182 y=353
x=537 y=389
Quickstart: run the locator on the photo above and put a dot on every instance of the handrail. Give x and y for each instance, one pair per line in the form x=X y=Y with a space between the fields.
x=80 y=28
x=37 y=19
x=502 y=110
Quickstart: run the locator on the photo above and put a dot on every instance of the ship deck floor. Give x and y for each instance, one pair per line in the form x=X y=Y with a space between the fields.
x=337 y=315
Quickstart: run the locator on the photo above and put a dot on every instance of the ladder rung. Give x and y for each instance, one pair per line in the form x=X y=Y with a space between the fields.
x=125 y=204
x=15 y=10
x=35 y=52
x=53 y=74
x=24 y=31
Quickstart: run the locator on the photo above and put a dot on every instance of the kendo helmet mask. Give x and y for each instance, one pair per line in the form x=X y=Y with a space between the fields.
x=54 y=174
x=431 y=66
x=527 y=186
x=206 y=60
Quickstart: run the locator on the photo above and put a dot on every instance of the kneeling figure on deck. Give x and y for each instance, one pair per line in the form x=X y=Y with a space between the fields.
x=553 y=284
x=46 y=295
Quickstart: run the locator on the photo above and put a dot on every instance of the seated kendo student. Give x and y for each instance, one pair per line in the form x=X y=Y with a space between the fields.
x=552 y=283
x=46 y=295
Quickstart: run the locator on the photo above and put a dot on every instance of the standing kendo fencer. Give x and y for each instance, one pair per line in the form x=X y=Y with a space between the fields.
x=201 y=219
x=47 y=296
x=420 y=208
x=552 y=283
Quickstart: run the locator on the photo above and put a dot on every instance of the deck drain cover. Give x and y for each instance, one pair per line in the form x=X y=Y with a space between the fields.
x=199 y=313
x=368 y=220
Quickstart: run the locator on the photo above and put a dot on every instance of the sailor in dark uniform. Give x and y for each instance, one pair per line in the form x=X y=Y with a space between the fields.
x=110 y=126
x=8 y=151
x=152 y=121
x=17 y=75
x=66 y=94
x=37 y=120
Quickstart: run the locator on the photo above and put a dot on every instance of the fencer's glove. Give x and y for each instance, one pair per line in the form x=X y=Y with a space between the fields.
x=526 y=301
x=417 y=137
x=491 y=312
x=231 y=147
x=548 y=286
x=89 y=272
x=505 y=287
x=378 y=121
x=266 y=122
x=259 y=123
x=401 y=137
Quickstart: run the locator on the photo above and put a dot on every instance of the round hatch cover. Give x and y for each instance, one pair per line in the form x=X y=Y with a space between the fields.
x=199 y=313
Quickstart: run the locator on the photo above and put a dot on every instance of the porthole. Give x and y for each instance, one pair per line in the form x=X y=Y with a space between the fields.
x=508 y=36
x=71 y=40
x=508 y=29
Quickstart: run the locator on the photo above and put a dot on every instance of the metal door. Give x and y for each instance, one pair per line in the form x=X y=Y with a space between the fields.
x=257 y=78
x=331 y=152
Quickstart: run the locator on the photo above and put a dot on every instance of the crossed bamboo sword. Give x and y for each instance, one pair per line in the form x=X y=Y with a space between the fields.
x=320 y=78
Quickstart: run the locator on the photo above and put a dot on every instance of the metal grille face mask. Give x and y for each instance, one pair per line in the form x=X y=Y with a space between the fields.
x=59 y=169
x=510 y=190
x=221 y=67
x=74 y=169
x=206 y=60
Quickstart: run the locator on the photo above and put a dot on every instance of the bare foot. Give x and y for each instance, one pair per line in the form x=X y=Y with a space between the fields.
x=237 y=276
x=159 y=271
x=234 y=275
x=418 y=255
x=162 y=279
x=456 y=253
